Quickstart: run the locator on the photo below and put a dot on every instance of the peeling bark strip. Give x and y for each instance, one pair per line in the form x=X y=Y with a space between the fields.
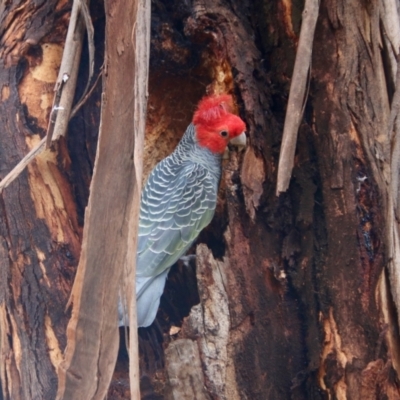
x=141 y=43
x=92 y=331
x=297 y=99
x=390 y=21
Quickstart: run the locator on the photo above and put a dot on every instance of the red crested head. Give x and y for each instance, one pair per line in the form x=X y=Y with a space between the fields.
x=215 y=124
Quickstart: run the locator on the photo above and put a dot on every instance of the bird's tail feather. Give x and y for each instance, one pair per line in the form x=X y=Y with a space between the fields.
x=148 y=294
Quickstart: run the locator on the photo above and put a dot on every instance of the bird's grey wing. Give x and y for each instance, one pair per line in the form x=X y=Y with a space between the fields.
x=177 y=203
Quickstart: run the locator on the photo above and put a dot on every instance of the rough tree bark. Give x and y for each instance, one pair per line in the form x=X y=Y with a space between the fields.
x=40 y=229
x=295 y=300
x=291 y=296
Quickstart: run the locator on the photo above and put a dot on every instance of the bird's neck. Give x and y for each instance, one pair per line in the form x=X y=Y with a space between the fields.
x=190 y=150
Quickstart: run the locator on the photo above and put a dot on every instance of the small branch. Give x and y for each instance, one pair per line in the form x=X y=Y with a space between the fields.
x=90 y=35
x=53 y=114
x=73 y=45
x=297 y=99
x=69 y=69
x=16 y=171
x=84 y=99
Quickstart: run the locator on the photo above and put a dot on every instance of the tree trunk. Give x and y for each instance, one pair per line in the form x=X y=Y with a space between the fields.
x=42 y=210
x=294 y=295
x=40 y=233
x=288 y=298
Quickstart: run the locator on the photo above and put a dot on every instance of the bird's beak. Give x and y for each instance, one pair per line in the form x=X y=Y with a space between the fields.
x=239 y=141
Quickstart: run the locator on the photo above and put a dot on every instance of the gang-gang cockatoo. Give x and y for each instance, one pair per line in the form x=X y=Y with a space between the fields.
x=180 y=197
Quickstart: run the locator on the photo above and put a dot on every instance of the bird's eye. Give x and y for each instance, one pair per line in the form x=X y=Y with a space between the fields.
x=224 y=133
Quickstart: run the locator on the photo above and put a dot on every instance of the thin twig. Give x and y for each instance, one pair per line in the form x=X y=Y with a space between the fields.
x=90 y=35
x=16 y=171
x=83 y=100
x=53 y=114
x=297 y=98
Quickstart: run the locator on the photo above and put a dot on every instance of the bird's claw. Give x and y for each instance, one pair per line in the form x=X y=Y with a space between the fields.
x=187 y=259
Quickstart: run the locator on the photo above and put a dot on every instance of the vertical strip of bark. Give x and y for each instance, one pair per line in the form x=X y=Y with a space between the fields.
x=92 y=332
x=390 y=20
x=141 y=41
x=68 y=74
x=297 y=95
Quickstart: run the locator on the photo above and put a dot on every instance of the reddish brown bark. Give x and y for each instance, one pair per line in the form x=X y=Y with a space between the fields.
x=39 y=229
x=291 y=298
x=302 y=274
x=41 y=212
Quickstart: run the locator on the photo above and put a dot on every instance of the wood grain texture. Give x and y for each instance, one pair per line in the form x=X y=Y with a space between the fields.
x=92 y=330
x=39 y=229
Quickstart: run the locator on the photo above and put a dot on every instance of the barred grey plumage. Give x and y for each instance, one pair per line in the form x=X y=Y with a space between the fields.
x=178 y=201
